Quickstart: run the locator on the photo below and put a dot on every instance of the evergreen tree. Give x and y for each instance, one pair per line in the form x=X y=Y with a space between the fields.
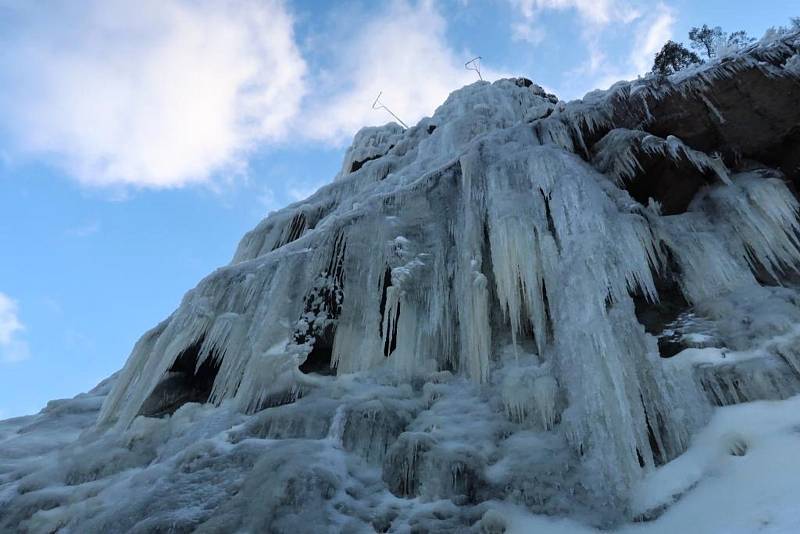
x=710 y=40
x=672 y=58
x=705 y=39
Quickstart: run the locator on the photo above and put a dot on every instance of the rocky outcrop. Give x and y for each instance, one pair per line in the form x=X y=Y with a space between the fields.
x=744 y=109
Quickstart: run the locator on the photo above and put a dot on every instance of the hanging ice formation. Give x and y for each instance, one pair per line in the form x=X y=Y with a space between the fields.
x=493 y=290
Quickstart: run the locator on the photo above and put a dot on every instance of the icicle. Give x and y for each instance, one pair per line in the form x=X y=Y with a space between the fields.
x=545 y=389
x=336 y=430
x=530 y=394
x=475 y=333
x=712 y=109
x=763 y=216
x=472 y=286
x=708 y=267
x=618 y=154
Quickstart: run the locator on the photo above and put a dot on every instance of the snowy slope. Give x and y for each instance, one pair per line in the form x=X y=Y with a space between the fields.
x=517 y=308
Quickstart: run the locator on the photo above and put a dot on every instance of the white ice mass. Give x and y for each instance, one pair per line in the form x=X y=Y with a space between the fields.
x=519 y=315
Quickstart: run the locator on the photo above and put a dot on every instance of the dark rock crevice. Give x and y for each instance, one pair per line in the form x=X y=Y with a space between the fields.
x=296 y=227
x=356 y=165
x=319 y=360
x=323 y=305
x=658 y=316
x=390 y=339
x=184 y=382
x=671 y=182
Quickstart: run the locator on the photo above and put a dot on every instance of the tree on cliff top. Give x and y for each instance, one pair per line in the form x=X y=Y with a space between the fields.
x=672 y=58
x=710 y=41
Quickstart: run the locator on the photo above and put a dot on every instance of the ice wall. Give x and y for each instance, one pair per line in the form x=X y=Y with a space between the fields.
x=475 y=308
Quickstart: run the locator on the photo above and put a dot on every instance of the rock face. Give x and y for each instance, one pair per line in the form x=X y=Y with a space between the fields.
x=486 y=309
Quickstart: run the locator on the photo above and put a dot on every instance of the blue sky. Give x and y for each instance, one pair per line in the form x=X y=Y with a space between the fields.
x=140 y=140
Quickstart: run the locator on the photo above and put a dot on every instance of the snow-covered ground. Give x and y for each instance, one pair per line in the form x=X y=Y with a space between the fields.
x=739 y=476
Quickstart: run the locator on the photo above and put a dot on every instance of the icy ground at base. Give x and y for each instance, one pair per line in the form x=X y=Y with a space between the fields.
x=738 y=476
x=518 y=314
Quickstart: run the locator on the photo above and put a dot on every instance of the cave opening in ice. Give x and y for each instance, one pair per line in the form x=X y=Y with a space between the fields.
x=189 y=379
x=319 y=359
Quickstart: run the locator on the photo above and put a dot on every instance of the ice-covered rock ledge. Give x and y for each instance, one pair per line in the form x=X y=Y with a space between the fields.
x=517 y=308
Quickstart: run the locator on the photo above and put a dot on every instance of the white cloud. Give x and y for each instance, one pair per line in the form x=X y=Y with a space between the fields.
x=401 y=50
x=12 y=347
x=165 y=94
x=652 y=33
x=150 y=93
x=601 y=26
x=9 y=322
x=593 y=16
x=648 y=36
x=595 y=11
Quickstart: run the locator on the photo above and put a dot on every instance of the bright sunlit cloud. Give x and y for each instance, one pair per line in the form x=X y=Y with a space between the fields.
x=12 y=347
x=167 y=94
x=596 y=11
x=592 y=14
x=650 y=32
x=646 y=28
x=401 y=50
x=155 y=94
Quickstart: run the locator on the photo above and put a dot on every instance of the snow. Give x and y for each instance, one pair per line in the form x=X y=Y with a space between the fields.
x=370 y=143
x=742 y=471
x=711 y=356
x=793 y=64
x=738 y=476
x=448 y=337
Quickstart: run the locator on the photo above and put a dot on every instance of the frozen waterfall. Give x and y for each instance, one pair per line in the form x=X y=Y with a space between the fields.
x=518 y=300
